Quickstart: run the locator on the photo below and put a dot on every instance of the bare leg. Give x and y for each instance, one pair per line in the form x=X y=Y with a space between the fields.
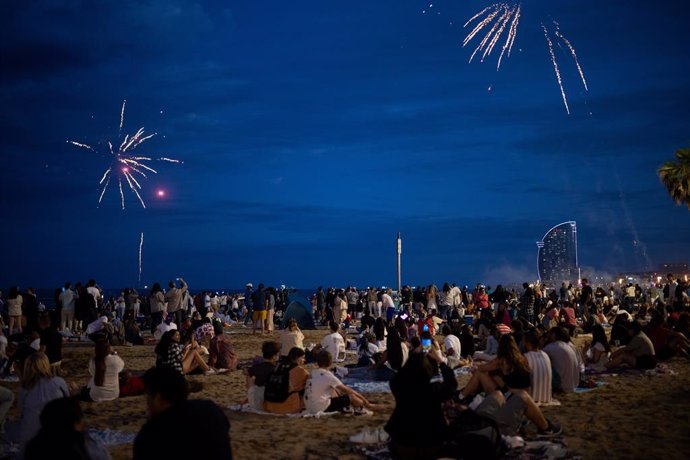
x=533 y=413
x=479 y=380
x=192 y=361
x=622 y=358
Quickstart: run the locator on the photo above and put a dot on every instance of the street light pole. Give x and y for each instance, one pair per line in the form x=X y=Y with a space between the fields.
x=399 y=253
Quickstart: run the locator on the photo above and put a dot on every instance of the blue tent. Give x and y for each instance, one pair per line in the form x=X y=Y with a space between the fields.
x=300 y=309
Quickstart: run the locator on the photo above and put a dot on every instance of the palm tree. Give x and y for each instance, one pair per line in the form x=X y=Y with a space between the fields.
x=676 y=177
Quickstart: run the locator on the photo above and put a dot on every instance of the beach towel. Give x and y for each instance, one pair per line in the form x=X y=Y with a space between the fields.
x=109 y=437
x=598 y=384
x=369 y=386
x=516 y=449
x=660 y=369
x=248 y=408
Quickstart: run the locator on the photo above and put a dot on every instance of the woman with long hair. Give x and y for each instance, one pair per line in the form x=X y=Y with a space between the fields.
x=38 y=387
x=502 y=378
x=599 y=350
x=431 y=294
x=170 y=353
x=104 y=368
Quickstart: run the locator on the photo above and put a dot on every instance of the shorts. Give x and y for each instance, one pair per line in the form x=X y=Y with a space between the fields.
x=645 y=362
x=259 y=315
x=508 y=416
x=338 y=403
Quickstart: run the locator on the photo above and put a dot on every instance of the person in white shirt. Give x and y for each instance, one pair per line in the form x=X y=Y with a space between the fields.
x=324 y=392
x=104 y=368
x=95 y=292
x=387 y=304
x=451 y=344
x=67 y=300
x=334 y=342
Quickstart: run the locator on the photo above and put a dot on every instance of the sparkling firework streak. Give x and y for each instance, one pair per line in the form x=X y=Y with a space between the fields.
x=141 y=246
x=495 y=19
x=124 y=165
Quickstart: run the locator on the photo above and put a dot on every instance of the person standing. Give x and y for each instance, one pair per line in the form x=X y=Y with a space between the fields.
x=372 y=303
x=157 y=305
x=174 y=297
x=259 y=304
x=320 y=303
x=527 y=303
x=270 y=308
x=388 y=304
x=14 y=310
x=249 y=302
x=67 y=300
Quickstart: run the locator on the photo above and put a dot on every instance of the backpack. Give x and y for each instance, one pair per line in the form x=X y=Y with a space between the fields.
x=277 y=387
x=473 y=436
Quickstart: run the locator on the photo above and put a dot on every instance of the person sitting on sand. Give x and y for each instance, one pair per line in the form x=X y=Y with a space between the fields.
x=667 y=342
x=63 y=434
x=257 y=375
x=221 y=351
x=452 y=347
x=169 y=353
x=566 y=375
x=637 y=354
x=599 y=350
x=507 y=397
x=166 y=325
x=284 y=390
x=201 y=427
x=324 y=392
x=104 y=368
x=51 y=342
x=132 y=330
x=38 y=388
x=290 y=338
x=541 y=374
x=390 y=361
x=334 y=342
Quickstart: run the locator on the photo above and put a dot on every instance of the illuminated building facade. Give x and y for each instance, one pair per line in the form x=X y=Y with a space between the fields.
x=557 y=256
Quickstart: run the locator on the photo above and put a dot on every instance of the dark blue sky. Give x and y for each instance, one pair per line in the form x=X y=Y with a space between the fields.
x=312 y=132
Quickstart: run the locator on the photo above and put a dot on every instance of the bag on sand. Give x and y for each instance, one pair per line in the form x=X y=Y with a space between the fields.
x=277 y=387
x=473 y=436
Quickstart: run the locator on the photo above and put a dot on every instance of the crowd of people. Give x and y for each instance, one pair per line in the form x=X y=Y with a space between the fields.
x=518 y=344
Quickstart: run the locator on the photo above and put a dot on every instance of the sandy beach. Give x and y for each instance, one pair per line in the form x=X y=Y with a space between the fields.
x=630 y=416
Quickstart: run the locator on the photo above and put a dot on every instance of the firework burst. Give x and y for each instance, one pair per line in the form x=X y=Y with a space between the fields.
x=500 y=21
x=125 y=166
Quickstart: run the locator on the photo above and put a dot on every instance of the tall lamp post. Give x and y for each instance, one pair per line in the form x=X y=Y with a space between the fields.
x=399 y=253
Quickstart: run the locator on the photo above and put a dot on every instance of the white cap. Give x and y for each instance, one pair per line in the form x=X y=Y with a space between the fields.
x=249 y=285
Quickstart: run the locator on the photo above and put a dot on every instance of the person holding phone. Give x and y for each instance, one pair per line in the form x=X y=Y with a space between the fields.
x=417 y=398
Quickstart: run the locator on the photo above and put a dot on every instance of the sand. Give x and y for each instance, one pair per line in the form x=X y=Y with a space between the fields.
x=628 y=417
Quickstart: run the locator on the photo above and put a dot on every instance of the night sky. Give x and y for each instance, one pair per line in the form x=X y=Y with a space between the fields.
x=313 y=132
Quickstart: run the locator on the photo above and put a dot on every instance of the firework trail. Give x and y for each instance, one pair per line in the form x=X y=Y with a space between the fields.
x=123 y=164
x=555 y=67
x=141 y=246
x=495 y=19
x=503 y=13
x=572 y=52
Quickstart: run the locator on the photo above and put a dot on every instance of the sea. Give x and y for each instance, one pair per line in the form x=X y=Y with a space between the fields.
x=48 y=296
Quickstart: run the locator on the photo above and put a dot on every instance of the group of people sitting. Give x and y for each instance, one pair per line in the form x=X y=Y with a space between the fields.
x=282 y=385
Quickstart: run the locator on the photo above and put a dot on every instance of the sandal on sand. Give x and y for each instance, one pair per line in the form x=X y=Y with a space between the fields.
x=370 y=436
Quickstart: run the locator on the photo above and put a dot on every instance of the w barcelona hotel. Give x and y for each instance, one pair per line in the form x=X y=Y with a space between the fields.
x=557 y=256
